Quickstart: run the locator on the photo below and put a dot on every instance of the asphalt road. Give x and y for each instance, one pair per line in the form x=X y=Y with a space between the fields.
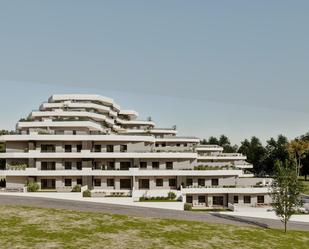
x=148 y=212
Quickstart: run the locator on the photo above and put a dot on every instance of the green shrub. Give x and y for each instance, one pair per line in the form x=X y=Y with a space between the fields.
x=171 y=195
x=87 y=193
x=76 y=188
x=32 y=186
x=187 y=207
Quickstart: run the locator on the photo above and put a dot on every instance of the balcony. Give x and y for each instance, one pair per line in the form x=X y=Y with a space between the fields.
x=16 y=166
x=225 y=190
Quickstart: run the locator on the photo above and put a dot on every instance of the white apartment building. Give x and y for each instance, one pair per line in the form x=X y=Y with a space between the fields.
x=89 y=140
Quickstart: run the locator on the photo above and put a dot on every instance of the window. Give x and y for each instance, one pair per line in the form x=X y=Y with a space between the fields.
x=74 y=132
x=79 y=165
x=163 y=144
x=214 y=182
x=169 y=165
x=123 y=148
x=109 y=148
x=67 y=165
x=97 y=148
x=48 y=148
x=189 y=182
x=189 y=199
x=201 y=182
x=178 y=145
x=143 y=165
x=68 y=148
x=48 y=166
x=260 y=199
x=172 y=182
x=48 y=183
x=125 y=165
x=143 y=183
x=157 y=145
x=79 y=181
x=159 y=182
x=185 y=145
x=125 y=183
x=110 y=165
x=110 y=182
x=97 y=182
x=79 y=148
x=217 y=200
x=235 y=198
x=68 y=182
x=59 y=132
x=247 y=199
x=155 y=165
x=201 y=199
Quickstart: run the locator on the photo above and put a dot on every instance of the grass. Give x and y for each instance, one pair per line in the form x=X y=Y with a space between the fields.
x=306 y=184
x=28 y=227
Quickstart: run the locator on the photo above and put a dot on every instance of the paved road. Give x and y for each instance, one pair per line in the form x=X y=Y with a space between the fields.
x=147 y=212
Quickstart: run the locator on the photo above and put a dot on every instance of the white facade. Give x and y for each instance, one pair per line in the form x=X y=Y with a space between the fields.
x=89 y=140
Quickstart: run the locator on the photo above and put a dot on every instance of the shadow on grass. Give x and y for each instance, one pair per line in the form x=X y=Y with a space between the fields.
x=239 y=219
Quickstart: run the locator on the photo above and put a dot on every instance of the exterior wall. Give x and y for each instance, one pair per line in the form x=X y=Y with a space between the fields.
x=116 y=182
x=152 y=182
x=250 y=181
x=59 y=181
x=16 y=182
x=16 y=146
x=158 y=141
x=177 y=163
x=267 y=199
x=222 y=180
x=229 y=199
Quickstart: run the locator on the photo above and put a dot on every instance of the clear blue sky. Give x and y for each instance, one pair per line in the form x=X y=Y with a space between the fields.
x=235 y=67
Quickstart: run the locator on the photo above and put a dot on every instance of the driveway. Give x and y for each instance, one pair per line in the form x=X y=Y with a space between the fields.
x=147 y=212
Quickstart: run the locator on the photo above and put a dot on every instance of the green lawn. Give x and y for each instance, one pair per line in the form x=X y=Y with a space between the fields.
x=306 y=183
x=25 y=227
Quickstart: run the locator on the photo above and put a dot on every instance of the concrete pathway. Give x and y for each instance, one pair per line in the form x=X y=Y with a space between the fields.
x=146 y=212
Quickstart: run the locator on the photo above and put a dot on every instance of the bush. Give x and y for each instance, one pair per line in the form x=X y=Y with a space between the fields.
x=32 y=186
x=187 y=207
x=179 y=198
x=171 y=195
x=87 y=193
x=76 y=188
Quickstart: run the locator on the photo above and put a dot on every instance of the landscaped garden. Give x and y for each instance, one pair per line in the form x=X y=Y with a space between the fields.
x=28 y=227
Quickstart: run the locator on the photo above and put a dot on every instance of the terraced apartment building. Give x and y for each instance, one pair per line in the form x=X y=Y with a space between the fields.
x=88 y=140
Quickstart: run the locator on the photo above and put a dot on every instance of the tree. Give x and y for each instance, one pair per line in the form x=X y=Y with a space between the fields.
x=305 y=159
x=223 y=141
x=255 y=153
x=297 y=150
x=275 y=150
x=285 y=191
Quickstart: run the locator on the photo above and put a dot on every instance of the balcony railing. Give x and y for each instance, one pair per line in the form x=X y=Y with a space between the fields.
x=17 y=166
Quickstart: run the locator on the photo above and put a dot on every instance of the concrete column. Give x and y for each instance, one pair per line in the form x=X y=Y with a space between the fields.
x=38 y=164
x=195 y=200
x=117 y=165
x=59 y=165
x=59 y=147
x=152 y=184
x=117 y=183
x=59 y=182
x=209 y=201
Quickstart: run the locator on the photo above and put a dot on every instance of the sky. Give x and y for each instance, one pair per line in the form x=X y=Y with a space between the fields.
x=239 y=68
